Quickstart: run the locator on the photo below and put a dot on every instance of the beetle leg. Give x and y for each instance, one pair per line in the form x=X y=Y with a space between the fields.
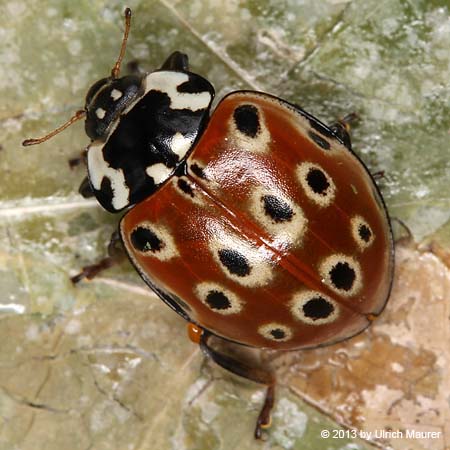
x=341 y=128
x=378 y=175
x=176 y=61
x=81 y=159
x=134 y=68
x=116 y=253
x=257 y=374
x=74 y=162
x=265 y=419
x=407 y=237
x=85 y=189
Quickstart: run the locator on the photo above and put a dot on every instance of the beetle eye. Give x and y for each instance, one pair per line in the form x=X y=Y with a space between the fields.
x=94 y=89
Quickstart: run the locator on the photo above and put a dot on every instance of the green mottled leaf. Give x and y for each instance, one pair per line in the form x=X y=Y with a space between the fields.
x=105 y=365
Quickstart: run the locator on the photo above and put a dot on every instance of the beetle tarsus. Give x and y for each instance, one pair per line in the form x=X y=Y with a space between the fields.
x=265 y=419
x=74 y=162
x=116 y=253
x=256 y=374
x=90 y=272
x=378 y=175
x=341 y=128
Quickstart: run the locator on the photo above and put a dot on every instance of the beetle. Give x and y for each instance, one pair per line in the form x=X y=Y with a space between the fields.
x=256 y=223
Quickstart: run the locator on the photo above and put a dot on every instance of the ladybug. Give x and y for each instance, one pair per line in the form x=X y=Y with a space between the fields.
x=256 y=223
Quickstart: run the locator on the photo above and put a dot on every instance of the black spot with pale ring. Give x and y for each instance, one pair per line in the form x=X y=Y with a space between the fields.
x=317 y=308
x=145 y=240
x=365 y=233
x=185 y=187
x=217 y=300
x=246 y=118
x=235 y=262
x=319 y=140
x=317 y=181
x=342 y=276
x=277 y=209
x=278 y=333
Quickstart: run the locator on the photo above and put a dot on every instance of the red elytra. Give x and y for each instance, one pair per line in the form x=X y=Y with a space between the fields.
x=275 y=237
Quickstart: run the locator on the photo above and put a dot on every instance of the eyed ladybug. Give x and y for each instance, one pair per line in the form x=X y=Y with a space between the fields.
x=256 y=223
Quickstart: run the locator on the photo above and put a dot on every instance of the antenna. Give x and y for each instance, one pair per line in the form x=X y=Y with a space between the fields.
x=116 y=69
x=82 y=113
x=77 y=116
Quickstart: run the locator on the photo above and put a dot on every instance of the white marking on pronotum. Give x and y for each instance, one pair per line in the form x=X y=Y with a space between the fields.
x=270 y=331
x=180 y=144
x=159 y=172
x=168 y=81
x=100 y=113
x=302 y=298
x=203 y=290
x=99 y=168
x=116 y=94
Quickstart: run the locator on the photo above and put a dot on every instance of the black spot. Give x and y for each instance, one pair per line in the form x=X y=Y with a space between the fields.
x=277 y=209
x=317 y=181
x=106 y=195
x=197 y=170
x=320 y=127
x=278 y=333
x=235 y=262
x=146 y=240
x=342 y=276
x=218 y=300
x=195 y=85
x=317 y=308
x=364 y=232
x=319 y=140
x=184 y=186
x=247 y=120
